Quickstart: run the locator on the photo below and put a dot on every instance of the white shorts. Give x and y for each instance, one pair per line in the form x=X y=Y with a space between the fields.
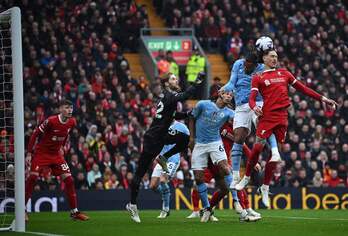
x=201 y=152
x=244 y=116
x=172 y=168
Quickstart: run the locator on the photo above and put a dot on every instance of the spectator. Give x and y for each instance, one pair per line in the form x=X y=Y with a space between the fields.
x=334 y=180
x=195 y=65
x=93 y=175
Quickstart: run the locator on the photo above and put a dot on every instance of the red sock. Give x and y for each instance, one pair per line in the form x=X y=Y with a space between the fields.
x=247 y=151
x=195 y=199
x=216 y=198
x=29 y=187
x=70 y=192
x=269 y=169
x=243 y=199
x=257 y=149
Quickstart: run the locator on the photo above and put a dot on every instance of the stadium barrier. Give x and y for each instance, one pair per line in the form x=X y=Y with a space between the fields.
x=282 y=198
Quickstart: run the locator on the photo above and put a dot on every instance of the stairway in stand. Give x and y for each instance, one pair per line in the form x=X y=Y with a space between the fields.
x=135 y=65
x=219 y=68
x=155 y=21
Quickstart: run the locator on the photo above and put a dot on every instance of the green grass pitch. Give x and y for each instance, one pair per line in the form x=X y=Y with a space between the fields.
x=274 y=222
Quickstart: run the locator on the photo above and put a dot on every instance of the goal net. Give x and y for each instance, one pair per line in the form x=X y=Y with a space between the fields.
x=11 y=123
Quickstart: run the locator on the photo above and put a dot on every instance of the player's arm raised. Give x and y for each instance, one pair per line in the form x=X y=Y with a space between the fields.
x=231 y=84
x=192 y=122
x=310 y=92
x=179 y=97
x=253 y=95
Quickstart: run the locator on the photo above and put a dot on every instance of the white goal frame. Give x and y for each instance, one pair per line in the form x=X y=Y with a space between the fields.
x=17 y=73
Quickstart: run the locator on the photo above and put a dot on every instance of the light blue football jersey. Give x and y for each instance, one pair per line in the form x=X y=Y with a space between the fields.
x=209 y=120
x=240 y=83
x=175 y=127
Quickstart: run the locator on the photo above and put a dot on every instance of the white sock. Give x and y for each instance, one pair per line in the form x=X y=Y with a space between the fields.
x=265 y=187
x=236 y=174
x=74 y=210
x=247 y=177
x=275 y=151
x=165 y=209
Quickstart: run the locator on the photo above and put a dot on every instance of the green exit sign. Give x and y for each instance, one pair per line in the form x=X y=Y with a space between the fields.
x=154 y=44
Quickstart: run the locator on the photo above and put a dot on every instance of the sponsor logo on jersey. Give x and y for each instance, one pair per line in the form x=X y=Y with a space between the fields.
x=267 y=83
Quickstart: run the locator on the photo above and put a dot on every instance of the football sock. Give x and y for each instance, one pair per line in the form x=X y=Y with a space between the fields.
x=269 y=169
x=228 y=180
x=165 y=196
x=273 y=143
x=257 y=149
x=216 y=198
x=70 y=192
x=159 y=189
x=29 y=186
x=195 y=199
x=203 y=193
x=234 y=195
x=237 y=151
x=243 y=199
x=247 y=152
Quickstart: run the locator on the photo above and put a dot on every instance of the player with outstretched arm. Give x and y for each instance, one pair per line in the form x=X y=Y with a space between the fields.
x=157 y=135
x=273 y=85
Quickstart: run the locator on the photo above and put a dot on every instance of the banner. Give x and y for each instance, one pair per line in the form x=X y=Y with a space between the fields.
x=282 y=198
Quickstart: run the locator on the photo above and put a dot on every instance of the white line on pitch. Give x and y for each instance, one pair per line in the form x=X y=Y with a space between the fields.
x=43 y=234
x=305 y=218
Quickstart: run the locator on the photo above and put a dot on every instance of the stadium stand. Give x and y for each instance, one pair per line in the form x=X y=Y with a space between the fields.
x=76 y=51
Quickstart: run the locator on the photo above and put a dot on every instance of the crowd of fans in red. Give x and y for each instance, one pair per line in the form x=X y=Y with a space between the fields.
x=76 y=50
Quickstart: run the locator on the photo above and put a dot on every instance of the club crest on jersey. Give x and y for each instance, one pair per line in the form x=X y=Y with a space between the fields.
x=279 y=73
x=267 y=82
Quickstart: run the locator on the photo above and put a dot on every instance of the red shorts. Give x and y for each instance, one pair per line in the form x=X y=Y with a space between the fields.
x=44 y=162
x=277 y=125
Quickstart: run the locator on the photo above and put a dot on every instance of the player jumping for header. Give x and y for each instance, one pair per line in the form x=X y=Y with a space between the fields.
x=157 y=135
x=273 y=85
x=205 y=140
x=240 y=85
x=48 y=153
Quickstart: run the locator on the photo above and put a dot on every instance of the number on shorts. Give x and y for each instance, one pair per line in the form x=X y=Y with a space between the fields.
x=160 y=107
x=172 y=131
x=64 y=166
x=221 y=149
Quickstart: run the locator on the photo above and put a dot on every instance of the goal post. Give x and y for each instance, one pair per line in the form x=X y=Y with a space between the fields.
x=12 y=122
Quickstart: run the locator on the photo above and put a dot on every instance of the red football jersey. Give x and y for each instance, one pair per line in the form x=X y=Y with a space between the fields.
x=54 y=134
x=226 y=141
x=273 y=86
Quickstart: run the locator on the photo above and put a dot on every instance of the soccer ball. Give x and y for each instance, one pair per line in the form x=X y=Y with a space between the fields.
x=264 y=43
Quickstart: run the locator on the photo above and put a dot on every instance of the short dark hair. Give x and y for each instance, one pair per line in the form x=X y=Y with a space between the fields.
x=65 y=102
x=251 y=56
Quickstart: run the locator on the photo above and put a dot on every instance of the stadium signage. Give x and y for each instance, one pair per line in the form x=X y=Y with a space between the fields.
x=155 y=44
x=40 y=203
x=282 y=198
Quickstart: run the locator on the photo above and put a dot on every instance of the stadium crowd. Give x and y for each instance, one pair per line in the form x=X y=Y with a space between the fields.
x=75 y=51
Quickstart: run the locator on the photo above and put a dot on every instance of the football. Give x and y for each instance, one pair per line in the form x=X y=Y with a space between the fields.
x=264 y=43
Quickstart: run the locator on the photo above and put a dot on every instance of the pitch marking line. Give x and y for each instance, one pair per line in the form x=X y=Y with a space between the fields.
x=43 y=234
x=305 y=218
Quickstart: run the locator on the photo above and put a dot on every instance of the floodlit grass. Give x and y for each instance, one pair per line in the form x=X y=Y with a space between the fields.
x=274 y=222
